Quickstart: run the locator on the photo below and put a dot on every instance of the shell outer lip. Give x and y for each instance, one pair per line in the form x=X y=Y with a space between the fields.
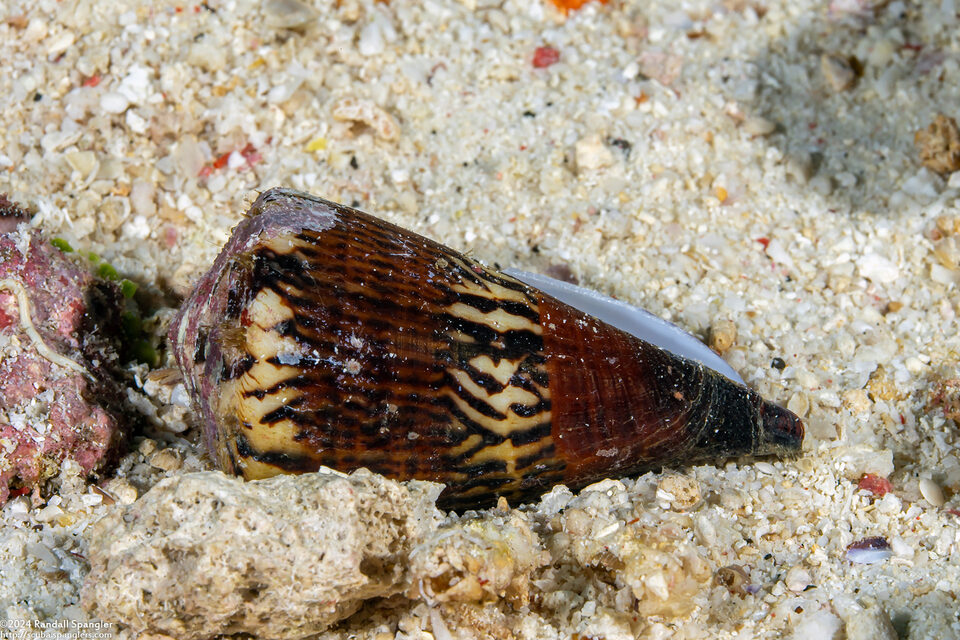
x=634 y=320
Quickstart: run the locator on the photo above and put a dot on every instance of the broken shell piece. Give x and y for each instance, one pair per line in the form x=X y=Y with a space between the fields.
x=324 y=336
x=368 y=113
x=734 y=578
x=931 y=492
x=869 y=550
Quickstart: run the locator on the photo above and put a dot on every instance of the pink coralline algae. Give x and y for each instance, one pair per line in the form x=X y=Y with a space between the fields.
x=58 y=397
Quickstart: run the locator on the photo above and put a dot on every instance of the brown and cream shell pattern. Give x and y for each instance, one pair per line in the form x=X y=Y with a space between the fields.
x=325 y=336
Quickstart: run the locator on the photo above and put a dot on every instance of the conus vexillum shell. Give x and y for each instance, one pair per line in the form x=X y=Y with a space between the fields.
x=325 y=336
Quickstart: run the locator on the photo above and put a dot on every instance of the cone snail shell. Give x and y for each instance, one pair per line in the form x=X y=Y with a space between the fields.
x=325 y=336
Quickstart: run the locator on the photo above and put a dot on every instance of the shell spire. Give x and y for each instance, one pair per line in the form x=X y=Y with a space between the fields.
x=325 y=336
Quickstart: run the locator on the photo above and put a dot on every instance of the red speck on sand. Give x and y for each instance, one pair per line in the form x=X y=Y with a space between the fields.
x=875 y=484
x=545 y=56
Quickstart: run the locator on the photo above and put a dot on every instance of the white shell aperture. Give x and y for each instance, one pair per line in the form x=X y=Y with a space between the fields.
x=629 y=318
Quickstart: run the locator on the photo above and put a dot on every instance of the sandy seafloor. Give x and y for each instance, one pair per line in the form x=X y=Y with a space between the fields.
x=692 y=158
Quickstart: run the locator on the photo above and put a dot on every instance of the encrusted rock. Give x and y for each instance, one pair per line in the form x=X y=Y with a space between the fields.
x=478 y=560
x=945 y=394
x=59 y=341
x=870 y=623
x=204 y=554
x=652 y=563
x=679 y=492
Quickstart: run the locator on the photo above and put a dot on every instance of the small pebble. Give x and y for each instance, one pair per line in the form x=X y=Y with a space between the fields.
x=91 y=499
x=883 y=51
x=592 y=154
x=939 y=145
x=931 y=492
x=890 y=505
x=146 y=447
x=544 y=57
x=122 y=490
x=371 y=40
x=857 y=400
x=43 y=552
x=142 y=197
x=838 y=71
x=860 y=460
x=733 y=577
x=17 y=506
x=81 y=161
x=665 y=68
x=113 y=102
x=797 y=579
x=901 y=548
x=680 y=492
x=207 y=56
x=60 y=43
x=49 y=513
x=878 y=268
x=577 y=522
x=820 y=624
x=36 y=30
x=288 y=14
x=758 y=126
x=723 y=334
x=166 y=460
x=799 y=404
x=368 y=113
x=948 y=225
x=765 y=468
